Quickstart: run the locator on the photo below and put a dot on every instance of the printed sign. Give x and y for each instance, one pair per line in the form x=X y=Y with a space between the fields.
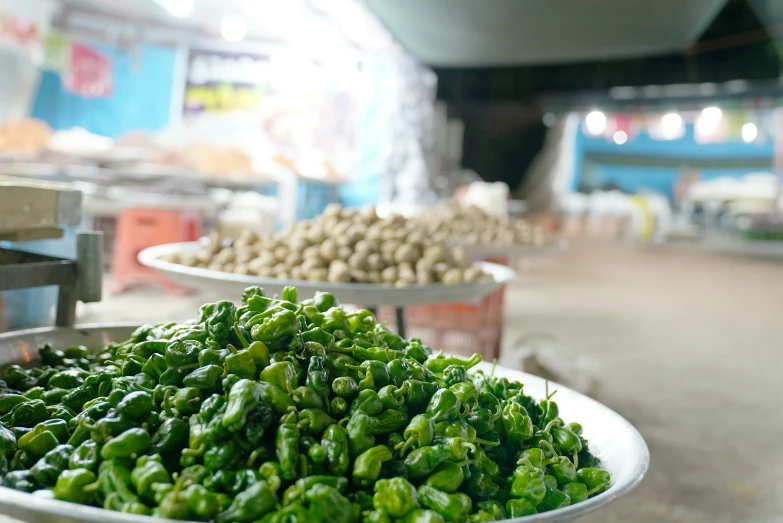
x=219 y=82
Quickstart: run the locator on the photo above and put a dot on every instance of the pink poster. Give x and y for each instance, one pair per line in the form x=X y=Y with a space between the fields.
x=90 y=73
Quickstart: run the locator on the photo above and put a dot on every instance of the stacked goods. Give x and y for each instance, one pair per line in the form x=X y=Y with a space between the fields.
x=279 y=410
x=451 y=222
x=340 y=246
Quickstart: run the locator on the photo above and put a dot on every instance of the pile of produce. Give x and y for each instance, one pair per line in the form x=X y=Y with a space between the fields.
x=453 y=222
x=286 y=411
x=341 y=246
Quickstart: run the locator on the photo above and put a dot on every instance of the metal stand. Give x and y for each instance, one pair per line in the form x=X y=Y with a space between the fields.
x=79 y=279
x=400 y=317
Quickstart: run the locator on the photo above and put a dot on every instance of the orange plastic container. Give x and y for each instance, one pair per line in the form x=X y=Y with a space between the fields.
x=140 y=228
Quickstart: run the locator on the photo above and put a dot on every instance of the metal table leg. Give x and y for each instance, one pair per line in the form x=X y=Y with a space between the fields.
x=400 y=321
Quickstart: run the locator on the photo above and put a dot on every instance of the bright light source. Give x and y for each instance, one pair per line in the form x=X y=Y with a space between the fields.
x=177 y=8
x=595 y=122
x=549 y=119
x=749 y=132
x=620 y=137
x=671 y=124
x=712 y=114
x=707 y=123
x=233 y=28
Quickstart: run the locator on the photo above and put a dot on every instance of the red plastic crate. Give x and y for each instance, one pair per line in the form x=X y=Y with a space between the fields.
x=461 y=328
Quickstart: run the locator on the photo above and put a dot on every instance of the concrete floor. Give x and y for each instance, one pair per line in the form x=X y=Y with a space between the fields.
x=687 y=346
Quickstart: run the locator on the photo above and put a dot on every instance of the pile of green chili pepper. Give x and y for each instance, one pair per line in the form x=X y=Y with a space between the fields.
x=284 y=411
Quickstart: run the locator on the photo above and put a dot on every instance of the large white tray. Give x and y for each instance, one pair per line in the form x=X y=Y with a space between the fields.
x=613 y=440
x=230 y=286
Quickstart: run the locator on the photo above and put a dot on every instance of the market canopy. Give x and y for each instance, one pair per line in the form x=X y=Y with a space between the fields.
x=471 y=33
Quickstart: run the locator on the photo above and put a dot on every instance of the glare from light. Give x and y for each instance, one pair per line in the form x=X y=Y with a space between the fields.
x=749 y=132
x=595 y=122
x=620 y=137
x=549 y=119
x=179 y=8
x=671 y=124
x=233 y=28
x=712 y=114
x=707 y=124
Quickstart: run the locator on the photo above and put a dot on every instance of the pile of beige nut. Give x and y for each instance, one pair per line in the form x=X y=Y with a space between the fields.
x=340 y=246
x=458 y=224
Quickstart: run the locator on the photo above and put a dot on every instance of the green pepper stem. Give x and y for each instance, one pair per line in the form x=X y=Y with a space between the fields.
x=549 y=447
x=576 y=460
x=595 y=490
x=166 y=403
x=494 y=364
x=466 y=462
x=549 y=426
x=402 y=390
x=407 y=445
x=92 y=487
x=254 y=456
x=486 y=442
x=525 y=462
x=195 y=452
x=188 y=367
x=497 y=414
x=242 y=339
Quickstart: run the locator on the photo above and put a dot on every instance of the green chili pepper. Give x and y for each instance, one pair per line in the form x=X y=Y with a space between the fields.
x=360 y=437
x=307 y=398
x=444 y=405
x=368 y=402
x=27 y=414
x=314 y=421
x=85 y=456
x=221 y=456
x=576 y=492
x=528 y=483
x=188 y=400
x=77 y=486
x=446 y=477
x=149 y=470
x=388 y=421
x=454 y=508
x=567 y=441
x=287 y=447
x=48 y=469
x=281 y=323
x=396 y=496
x=392 y=397
x=517 y=508
x=419 y=392
x=596 y=480
x=345 y=387
x=335 y=442
x=205 y=377
x=131 y=442
x=281 y=374
x=437 y=362
x=367 y=466
x=517 y=424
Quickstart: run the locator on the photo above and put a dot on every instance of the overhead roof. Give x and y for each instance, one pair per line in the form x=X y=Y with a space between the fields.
x=470 y=33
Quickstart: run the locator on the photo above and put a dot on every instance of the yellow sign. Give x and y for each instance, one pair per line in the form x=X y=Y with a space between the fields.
x=224 y=97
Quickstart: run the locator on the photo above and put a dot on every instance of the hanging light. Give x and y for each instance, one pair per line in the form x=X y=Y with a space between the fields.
x=749 y=132
x=620 y=137
x=595 y=123
x=233 y=28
